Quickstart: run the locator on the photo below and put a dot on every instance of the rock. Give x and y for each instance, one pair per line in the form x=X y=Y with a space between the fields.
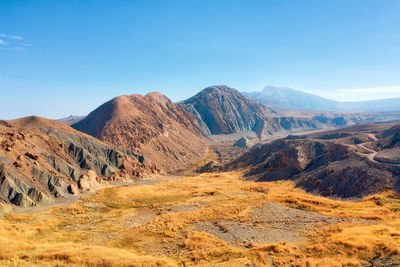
x=211 y=166
x=89 y=182
x=73 y=189
x=17 y=164
x=21 y=199
x=32 y=155
x=242 y=143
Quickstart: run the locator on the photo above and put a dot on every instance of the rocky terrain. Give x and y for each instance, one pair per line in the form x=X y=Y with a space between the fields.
x=224 y=110
x=343 y=119
x=350 y=162
x=165 y=133
x=42 y=159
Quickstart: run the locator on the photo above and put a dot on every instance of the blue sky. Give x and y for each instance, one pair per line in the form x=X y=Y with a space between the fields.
x=67 y=57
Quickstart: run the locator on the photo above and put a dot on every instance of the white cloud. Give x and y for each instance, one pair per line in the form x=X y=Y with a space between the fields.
x=13 y=43
x=360 y=94
x=13 y=37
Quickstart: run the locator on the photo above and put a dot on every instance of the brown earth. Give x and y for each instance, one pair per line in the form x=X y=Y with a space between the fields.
x=272 y=223
x=152 y=125
x=41 y=159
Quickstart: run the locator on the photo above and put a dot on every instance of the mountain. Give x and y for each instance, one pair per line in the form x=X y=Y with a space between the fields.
x=42 y=159
x=71 y=119
x=291 y=98
x=165 y=133
x=350 y=162
x=224 y=110
x=288 y=98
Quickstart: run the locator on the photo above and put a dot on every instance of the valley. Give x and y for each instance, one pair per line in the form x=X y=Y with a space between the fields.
x=216 y=180
x=200 y=133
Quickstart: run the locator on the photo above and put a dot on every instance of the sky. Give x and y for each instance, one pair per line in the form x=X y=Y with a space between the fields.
x=59 y=58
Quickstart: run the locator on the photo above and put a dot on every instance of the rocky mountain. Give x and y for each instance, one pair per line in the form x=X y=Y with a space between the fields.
x=350 y=162
x=41 y=159
x=283 y=97
x=224 y=110
x=165 y=133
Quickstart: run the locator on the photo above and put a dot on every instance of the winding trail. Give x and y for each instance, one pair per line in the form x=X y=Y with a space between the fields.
x=373 y=153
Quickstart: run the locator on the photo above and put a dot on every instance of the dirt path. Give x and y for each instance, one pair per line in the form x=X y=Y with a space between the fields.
x=371 y=156
x=271 y=223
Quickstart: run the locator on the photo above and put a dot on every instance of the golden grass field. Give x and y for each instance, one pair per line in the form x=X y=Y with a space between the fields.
x=152 y=225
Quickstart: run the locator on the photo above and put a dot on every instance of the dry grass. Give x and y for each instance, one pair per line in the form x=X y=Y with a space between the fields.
x=97 y=232
x=41 y=244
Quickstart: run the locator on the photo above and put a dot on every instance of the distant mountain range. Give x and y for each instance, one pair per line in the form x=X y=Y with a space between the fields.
x=288 y=98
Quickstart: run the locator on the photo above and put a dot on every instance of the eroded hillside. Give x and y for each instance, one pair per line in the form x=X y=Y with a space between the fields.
x=350 y=162
x=41 y=159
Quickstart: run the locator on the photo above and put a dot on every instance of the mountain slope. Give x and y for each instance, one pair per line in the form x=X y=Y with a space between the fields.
x=350 y=162
x=41 y=159
x=224 y=110
x=162 y=131
x=283 y=97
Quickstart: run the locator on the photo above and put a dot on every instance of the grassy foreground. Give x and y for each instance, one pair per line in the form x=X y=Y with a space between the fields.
x=152 y=225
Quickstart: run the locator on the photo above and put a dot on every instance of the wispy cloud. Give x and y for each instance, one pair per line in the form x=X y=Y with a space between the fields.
x=15 y=48
x=11 y=42
x=360 y=94
x=13 y=37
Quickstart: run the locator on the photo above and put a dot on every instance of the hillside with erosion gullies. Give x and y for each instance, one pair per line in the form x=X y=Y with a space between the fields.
x=152 y=125
x=42 y=159
x=350 y=162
